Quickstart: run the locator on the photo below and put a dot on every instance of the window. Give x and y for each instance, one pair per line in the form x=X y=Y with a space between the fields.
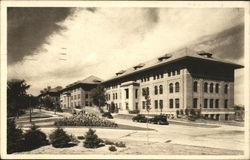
x=171 y=89
x=171 y=103
x=169 y=73
x=205 y=87
x=156 y=104
x=147 y=90
x=136 y=106
x=158 y=76
x=173 y=73
x=71 y=97
x=126 y=105
x=90 y=104
x=161 y=89
x=177 y=87
x=195 y=102
x=226 y=117
x=162 y=75
x=195 y=86
x=178 y=72
x=127 y=93
x=226 y=89
x=154 y=77
x=216 y=103
x=86 y=95
x=136 y=93
x=205 y=103
x=86 y=103
x=156 y=90
x=116 y=96
x=71 y=104
x=78 y=96
x=143 y=104
x=177 y=103
x=217 y=88
x=211 y=87
x=75 y=97
x=161 y=104
x=113 y=96
x=211 y=104
x=226 y=103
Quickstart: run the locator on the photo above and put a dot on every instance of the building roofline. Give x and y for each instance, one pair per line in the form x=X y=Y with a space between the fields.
x=234 y=65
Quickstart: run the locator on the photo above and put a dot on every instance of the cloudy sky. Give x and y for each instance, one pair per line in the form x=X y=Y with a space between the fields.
x=57 y=46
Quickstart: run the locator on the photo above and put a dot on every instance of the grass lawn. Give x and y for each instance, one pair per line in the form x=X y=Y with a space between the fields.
x=136 y=148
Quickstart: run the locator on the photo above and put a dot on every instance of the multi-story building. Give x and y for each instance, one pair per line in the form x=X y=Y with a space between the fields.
x=53 y=93
x=77 y=94
x=180 y=80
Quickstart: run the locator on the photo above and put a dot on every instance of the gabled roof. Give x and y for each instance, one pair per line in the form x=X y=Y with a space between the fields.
x=171 y=57
x=89 y=80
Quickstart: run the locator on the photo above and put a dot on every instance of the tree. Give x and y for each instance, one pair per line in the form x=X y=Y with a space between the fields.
x=16 y=97
x=91 y=139
x=98 y=96
x=15 y=138
x=145 y=93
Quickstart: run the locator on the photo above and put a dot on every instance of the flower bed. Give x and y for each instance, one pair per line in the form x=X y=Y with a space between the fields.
x=85 y=119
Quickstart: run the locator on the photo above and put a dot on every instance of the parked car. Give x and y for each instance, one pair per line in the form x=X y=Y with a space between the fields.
x=108 y=115
x=140 y=118
x=159 y=119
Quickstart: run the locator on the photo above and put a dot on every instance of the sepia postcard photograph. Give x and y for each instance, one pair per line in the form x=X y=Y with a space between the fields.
x=123 y=80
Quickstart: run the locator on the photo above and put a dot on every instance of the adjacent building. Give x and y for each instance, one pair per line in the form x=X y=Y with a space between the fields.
x=77 y=94
x=181 y=80
x=53 y=93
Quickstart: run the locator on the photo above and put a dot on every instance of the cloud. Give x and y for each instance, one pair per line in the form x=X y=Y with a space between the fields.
x=102 y=41
x=28 y=28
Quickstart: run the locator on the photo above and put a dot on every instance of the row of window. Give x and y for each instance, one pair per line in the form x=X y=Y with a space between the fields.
x=159 y=76
x=76 y=89
x=160 y=89
x=212 y=103
x=210 y=87
x=159 y=103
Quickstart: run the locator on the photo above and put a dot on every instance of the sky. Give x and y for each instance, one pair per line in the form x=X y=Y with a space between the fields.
x=58 y=46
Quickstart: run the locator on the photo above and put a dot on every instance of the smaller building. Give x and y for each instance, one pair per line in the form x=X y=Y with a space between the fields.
x=53 y=93
x=77 y=94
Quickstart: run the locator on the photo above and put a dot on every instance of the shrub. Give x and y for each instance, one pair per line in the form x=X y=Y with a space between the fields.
x=84 y=119
x=59 y=138
x=81 y=137
x=120 y=144
x=34 y=138
x=108 y=142
x=177 y=113
x=91 y=139
x=15 y=137
x=181 y=112
x=112 y=148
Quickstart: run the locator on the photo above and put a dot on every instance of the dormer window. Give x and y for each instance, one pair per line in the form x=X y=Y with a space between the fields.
x=139 y=66
x=120 y=72
x=205 y=54
x=166 y=56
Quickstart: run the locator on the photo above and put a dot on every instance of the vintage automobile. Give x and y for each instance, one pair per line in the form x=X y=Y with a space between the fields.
x=140 y=118
x=159 y=119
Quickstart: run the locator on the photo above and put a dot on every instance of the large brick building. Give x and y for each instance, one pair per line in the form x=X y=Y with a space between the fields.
x=77 y=94
x=181 y=80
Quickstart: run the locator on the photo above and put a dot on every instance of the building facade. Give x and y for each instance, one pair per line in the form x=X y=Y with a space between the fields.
x=182 y=80
x=77 y=95
x=53 y=93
